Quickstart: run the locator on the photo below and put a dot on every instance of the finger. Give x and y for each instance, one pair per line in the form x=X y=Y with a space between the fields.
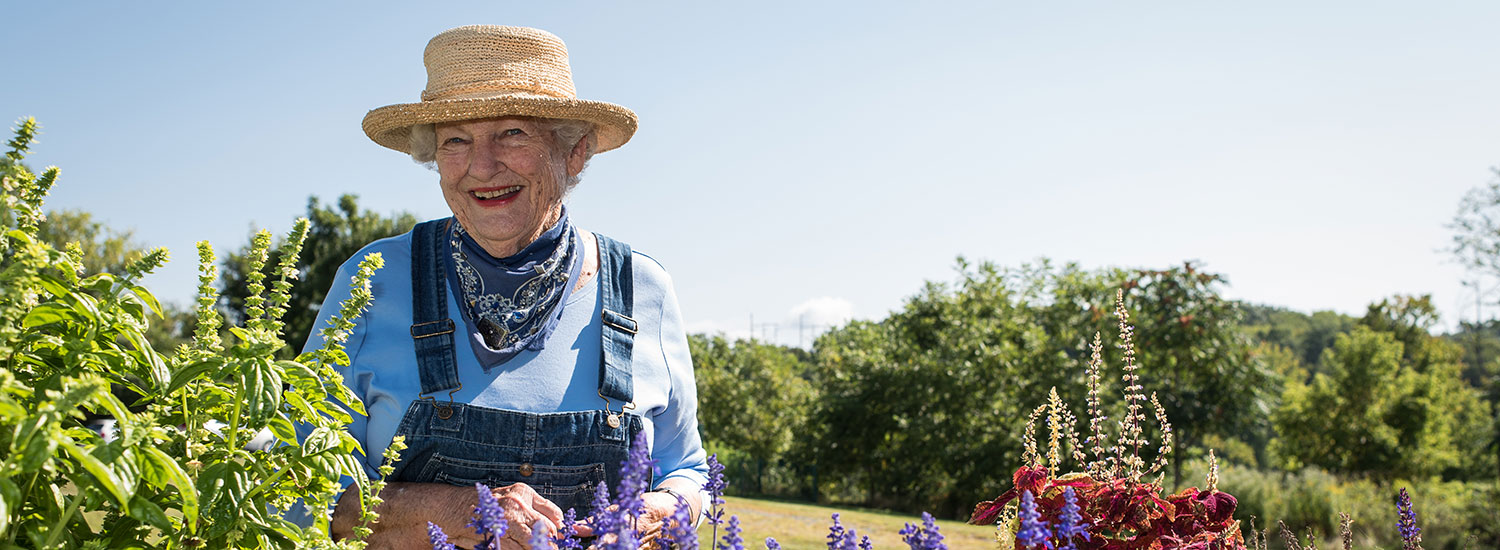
x=581 y=529
x=549 y=510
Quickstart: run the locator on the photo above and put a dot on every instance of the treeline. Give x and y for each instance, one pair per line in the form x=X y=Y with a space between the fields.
x=924 y=409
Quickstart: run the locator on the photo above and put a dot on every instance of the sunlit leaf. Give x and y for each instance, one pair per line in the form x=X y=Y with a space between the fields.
x=149 y=298
x=147 y=511
x=48 y=313
x=190 y=372
x=102 y=474
x=282 y=429
x=10 y=497
x=172 y=473
x=52 y=284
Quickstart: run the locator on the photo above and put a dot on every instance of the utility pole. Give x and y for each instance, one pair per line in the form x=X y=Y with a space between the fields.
x=800 y=326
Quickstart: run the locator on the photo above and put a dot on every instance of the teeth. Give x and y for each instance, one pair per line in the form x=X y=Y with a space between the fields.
x=497 y=192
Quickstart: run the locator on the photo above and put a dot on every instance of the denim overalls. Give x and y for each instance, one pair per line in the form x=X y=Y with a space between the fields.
x=564 y=456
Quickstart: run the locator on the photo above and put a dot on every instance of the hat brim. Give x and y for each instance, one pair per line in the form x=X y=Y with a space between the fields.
x=390 y=126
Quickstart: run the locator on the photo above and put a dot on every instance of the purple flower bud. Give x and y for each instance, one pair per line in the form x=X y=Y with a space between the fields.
x=924 y=537
x=1033 y=532
x=1406 y=522
x=567 y=537
x=1070 y=521
x=539 y=539
x=438 y=537
x=732 y=540
x=489 y=520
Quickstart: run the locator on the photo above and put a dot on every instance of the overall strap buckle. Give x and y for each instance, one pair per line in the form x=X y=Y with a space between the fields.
x=612 y=418
x=443 y=411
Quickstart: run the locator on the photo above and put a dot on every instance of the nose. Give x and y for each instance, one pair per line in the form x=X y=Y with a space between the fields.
x=485 y=161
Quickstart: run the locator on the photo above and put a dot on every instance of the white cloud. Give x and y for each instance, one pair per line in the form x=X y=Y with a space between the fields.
x=824 y=311
x=801 y=325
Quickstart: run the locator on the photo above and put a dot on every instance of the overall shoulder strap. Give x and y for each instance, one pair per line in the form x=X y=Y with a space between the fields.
x=431 y=329
x=619 y=327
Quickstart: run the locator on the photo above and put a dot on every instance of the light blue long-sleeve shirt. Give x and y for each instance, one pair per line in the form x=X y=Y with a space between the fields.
x=563 y=377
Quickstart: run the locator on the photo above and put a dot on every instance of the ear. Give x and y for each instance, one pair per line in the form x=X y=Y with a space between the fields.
x=577 y=156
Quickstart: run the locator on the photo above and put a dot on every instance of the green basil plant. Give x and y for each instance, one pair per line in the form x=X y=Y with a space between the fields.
x=175 y=472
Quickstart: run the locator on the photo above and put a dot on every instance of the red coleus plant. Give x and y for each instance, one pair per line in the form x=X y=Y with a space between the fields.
x=1122 y=514
x=1121 y=511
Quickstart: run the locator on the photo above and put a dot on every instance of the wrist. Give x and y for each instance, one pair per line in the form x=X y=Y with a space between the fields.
x=681 y=498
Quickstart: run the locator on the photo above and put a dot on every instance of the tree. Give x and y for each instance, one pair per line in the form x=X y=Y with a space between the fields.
x=1390 y=403
x=754 y=398
x=1476 y=245
x=1305 y=335
x=336 y=235
x=1191 y=345
x=922 y=410
x=105 y=250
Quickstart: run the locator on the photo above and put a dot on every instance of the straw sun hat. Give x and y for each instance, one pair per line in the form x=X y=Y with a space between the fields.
x=485 y=71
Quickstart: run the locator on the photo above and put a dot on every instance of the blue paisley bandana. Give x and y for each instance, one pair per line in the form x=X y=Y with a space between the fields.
x=512 y=304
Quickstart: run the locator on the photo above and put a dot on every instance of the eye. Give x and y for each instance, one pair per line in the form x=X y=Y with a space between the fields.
x=513 y=132
x=454 y=140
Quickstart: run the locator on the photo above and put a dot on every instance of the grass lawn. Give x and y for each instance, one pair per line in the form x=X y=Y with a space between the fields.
x=805 y=526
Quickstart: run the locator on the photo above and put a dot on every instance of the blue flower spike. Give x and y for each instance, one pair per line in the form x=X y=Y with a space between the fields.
x=438 y=538
x=1033 y=532
x=1070 y=522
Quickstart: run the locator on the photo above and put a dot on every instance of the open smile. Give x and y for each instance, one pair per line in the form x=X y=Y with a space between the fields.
x=495 y=195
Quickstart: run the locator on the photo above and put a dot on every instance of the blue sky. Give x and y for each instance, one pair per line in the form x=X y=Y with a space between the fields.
x=821 y=160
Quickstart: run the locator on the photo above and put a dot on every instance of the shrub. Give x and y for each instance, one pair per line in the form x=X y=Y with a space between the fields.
x=177 y=473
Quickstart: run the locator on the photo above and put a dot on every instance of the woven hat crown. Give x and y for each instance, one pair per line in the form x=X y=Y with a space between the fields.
x=486 y=71
x=480 y=60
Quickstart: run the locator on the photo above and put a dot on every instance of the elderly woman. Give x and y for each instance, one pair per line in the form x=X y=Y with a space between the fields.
x=507 y=345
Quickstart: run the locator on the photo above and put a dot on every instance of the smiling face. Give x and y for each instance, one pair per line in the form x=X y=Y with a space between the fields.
x=504 y=178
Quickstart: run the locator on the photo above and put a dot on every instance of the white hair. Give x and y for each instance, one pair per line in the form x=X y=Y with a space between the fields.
x=565 y=134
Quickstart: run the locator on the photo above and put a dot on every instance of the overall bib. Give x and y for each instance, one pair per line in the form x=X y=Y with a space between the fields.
x=564 y=456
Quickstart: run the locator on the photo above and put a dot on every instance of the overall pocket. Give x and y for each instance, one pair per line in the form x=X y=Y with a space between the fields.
x=565 y=486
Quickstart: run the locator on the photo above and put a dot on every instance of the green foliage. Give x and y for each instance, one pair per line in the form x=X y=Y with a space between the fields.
x=918 y=410
x=334 y=235
x=1476 y=245
x=759 y=401
x=1391 y=403
x=170 y=477
x=1305 y=335
x=1191 y=346
x=1311 y=499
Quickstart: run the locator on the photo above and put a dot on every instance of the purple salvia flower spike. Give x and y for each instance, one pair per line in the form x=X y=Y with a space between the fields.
x=865 y=544
x=1406 y=523
x=835 y=534
x=603 y=520
x=1070 y=521
x=438 y=538
x=849 y=537
x=678 y=529
x=1033 y=532
x=732 y=540
x=567 y=537
x=539 y=539
x=635 y=477
x=924 y=537
x=489 y=520
x=771 y=544
x=715 y=488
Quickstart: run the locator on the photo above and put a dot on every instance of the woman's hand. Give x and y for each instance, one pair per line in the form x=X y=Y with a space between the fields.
x=523 y=508
x=656 y=508
x=408 y=507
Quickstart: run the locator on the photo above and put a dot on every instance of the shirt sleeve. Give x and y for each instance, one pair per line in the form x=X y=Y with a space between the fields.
x=678 y=448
